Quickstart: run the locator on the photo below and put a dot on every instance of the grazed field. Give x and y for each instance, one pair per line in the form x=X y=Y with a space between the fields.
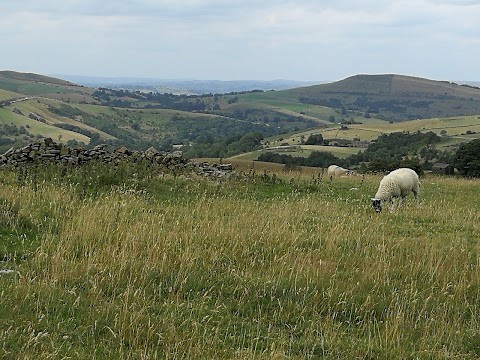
x=127 y=263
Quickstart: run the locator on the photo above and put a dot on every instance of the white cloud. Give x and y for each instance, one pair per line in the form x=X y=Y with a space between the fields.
x=306 y=39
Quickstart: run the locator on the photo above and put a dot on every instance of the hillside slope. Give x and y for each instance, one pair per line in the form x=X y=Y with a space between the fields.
x=394 y=97
x=44 y=86
x=30 y=77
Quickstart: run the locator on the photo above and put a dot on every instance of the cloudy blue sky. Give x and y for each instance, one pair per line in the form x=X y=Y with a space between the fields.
x=311 y=40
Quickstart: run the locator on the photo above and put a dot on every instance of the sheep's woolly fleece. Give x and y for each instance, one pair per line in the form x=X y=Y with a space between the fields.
x=335 y=170
x=397 y=184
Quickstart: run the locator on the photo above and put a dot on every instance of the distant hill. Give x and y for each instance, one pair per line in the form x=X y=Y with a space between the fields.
x=394 y=97
x=30 y=77
x=44 y=86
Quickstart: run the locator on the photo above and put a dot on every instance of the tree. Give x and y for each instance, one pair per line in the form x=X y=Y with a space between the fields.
x=94 y=139
x=314 y=139
x=467 y=159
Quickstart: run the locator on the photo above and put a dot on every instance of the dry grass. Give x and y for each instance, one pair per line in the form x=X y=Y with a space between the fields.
x=250 y=269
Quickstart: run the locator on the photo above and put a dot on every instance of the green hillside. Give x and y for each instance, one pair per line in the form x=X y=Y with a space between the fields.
x=6 y=95
x=30 y=77
x=359 y=108
x=394 y=97
x=44 y=86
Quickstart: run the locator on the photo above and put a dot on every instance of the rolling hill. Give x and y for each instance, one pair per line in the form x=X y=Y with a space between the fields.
x=28 y=84
x=394 y=97
x=360 y=107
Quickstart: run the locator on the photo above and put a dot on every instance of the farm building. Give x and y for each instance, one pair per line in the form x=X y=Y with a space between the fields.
x=442 y=169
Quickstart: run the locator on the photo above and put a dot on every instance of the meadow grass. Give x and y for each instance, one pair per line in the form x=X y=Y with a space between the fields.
x=129 y=262
x=8 y=95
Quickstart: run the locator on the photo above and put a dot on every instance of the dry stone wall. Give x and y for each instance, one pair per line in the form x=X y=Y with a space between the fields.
x=47 y=150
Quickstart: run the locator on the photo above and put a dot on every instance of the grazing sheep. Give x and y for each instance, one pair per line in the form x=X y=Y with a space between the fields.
x=335 y=170
x=396 y=184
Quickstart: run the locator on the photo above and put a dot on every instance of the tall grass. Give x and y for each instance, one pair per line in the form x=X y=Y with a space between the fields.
x=174 y=267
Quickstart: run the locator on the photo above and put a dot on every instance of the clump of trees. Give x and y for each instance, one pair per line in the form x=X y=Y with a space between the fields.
x=314 y=139
x=315 y=159
x=467 y=159
x=233 y=145
x=125 y=98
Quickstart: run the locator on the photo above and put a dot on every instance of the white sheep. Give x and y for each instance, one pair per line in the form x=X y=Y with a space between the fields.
x=396 y=184
x=335 y=170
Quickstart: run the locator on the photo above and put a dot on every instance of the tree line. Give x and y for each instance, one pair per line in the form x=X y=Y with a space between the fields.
x=388 y=152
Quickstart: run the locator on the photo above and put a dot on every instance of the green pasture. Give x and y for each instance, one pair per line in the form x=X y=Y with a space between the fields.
x=135 y=262
x=302 y=151
x=29 y=88
x=451 y=125
x=39 y=128
x=370 y=130
x=8 y=95
x=8 y=86
x=37 y=106
x=338 y=151
x=40 y=107
x=253 y=155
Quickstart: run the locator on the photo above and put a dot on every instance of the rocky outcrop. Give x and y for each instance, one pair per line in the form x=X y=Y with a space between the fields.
x=46 y=150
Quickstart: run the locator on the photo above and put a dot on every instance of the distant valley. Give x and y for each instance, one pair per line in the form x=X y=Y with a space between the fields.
x=184 y=86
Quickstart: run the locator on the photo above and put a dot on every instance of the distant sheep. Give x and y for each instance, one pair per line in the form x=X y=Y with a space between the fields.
x=335 y=171
x=396 y=184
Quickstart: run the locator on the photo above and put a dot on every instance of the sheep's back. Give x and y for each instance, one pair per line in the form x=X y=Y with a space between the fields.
x=331 y=170
x=398 y=183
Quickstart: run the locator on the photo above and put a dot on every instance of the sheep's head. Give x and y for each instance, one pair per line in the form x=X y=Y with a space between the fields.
x=377 y=204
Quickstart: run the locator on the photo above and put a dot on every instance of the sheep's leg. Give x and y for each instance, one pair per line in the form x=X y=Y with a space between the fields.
x=392 y=206
x=400 y=200
x=415 y=194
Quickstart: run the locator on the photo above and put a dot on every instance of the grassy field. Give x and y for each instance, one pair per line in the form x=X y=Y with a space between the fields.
x=8 y=95
x=37 y=127
x=370 y=130
x=44 y=86
x=458 y=130
x=304 y=151
x=129 y=263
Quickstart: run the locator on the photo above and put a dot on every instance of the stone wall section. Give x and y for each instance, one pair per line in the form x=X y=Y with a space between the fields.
x=47 y=150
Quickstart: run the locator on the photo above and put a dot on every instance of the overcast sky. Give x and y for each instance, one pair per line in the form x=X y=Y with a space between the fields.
x=311 y=40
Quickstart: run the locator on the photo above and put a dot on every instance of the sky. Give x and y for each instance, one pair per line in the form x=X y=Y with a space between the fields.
x=307 y=40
